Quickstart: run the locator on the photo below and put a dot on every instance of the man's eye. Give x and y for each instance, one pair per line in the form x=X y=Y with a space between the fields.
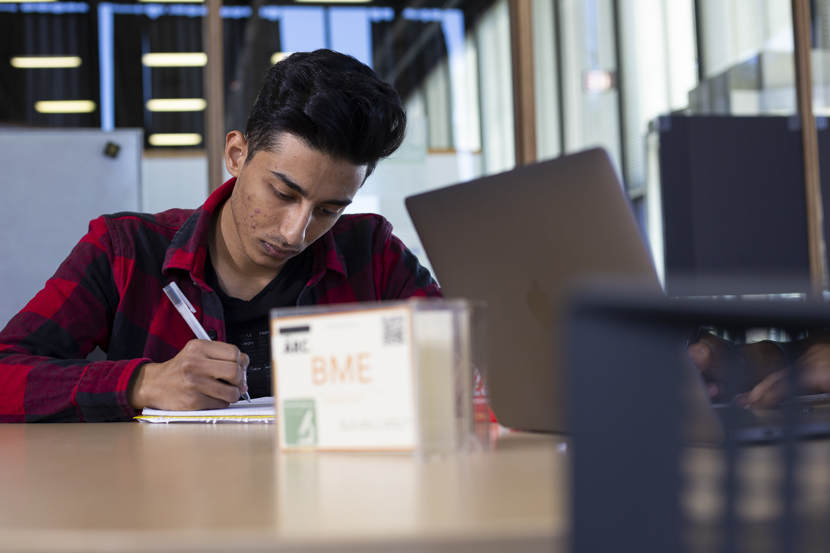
x=280 y=195
x=328 y=212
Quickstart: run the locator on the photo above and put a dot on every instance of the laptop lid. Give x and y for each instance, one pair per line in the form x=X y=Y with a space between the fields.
x=519 y=240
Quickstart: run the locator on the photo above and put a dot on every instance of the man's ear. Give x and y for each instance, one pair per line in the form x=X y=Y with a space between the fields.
x=236 y=151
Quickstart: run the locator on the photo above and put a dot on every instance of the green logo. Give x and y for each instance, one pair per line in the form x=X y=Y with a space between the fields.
x=300 y=419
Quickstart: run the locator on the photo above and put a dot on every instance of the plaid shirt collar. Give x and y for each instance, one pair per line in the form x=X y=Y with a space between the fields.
x=189 y=247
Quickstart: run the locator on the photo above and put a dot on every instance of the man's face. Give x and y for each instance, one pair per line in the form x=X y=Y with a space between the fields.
x=284 y=200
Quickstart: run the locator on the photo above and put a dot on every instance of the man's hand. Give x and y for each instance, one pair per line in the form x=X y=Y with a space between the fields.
x=712 y=357
x=813 y=370
x=204 y=375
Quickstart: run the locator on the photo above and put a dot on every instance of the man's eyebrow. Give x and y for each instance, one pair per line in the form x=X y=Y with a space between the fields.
x=304 y=193
x=291 y=184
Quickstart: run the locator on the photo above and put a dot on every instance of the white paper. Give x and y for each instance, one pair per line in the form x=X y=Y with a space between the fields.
x=260 y=409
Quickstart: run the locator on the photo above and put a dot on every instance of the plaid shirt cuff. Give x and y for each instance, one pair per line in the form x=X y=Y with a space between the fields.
x=101 y=394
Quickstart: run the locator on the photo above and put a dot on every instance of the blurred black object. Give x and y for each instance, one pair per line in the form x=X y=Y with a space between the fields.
x=631 y=416
x=733 y=203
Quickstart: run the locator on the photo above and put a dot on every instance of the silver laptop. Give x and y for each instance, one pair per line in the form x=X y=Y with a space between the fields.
x=520 y=240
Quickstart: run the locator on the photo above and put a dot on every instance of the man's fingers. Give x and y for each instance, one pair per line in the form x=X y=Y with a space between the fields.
x=204 y=375
x=767 y=394
x=219 y=351
x=700 y=355
x=710 y=355
x=216 y=359
x=222 y=391
x=813 y=377
x=213 y=403
x=197 y=402
x=244 y=362
x=814 y=367
x=226 y=371
x=816 y=379
x=714 y=389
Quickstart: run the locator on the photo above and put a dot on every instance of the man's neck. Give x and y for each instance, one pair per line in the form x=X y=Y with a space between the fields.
x=237 y=277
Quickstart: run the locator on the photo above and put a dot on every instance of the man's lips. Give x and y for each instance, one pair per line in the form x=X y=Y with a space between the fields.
x=277 y=252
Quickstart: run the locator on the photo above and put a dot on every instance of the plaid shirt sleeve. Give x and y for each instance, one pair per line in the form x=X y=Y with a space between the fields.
x=367 y=262
x=403 y=276
x=44 y=375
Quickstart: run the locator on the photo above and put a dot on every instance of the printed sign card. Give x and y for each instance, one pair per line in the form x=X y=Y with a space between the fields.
x=345 y=380
x=376 y=377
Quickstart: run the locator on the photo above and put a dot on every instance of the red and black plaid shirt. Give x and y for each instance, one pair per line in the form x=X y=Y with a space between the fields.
x=108 y=293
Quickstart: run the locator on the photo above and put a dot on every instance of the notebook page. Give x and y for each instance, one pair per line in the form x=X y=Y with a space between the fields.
x=260 y=409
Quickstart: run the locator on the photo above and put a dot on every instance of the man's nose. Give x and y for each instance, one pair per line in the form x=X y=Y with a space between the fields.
x=295 y=225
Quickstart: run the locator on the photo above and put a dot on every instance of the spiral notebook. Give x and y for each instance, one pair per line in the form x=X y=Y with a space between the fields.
x=260 y=409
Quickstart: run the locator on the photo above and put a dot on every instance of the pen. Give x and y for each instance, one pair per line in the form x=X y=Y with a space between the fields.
x=186 y=311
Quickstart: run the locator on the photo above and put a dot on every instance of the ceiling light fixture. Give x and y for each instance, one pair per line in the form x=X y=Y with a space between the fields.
x=175 y=139
x=176 y=104
x=279 y=56
x=183 y=59
x=45 y=62
x=65 y=106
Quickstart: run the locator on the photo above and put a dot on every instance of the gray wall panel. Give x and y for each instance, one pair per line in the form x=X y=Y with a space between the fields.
x=52 y=183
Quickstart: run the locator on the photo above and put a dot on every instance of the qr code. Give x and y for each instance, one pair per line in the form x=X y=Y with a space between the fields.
x=393 y=330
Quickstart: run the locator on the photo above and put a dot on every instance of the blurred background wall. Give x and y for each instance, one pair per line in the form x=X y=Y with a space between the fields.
x=602 y=71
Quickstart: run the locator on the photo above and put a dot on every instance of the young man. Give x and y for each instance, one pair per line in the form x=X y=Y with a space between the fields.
x=273 y=236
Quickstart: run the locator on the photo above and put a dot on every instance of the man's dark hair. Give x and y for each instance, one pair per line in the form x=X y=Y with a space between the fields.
x=334 y=103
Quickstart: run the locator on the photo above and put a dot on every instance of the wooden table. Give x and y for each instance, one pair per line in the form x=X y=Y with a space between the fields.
x=128 y=487
x=141 y=487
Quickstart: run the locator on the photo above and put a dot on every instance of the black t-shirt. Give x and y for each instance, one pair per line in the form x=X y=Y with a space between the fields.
x=247 y=322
